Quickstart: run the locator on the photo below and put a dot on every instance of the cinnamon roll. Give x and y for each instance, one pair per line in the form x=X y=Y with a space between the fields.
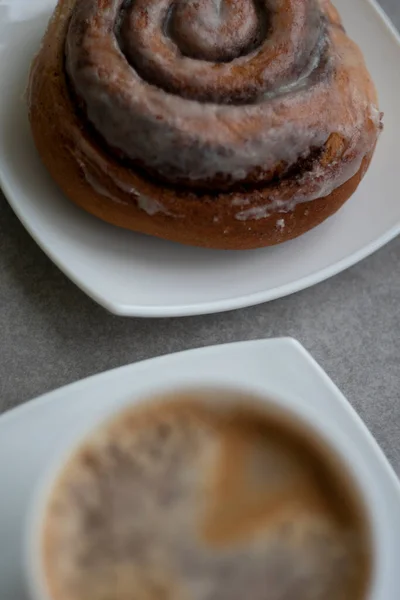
x=219 y=123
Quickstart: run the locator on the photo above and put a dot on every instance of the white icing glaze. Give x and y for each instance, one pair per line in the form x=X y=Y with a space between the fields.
x=318 y=183
x=280 y=224
x=96 y=185
x=376 y=116
x=145 y=203
x=239 y=201
x=150 y=206
x=149 y=124
x=214 y=30
x=255 y=213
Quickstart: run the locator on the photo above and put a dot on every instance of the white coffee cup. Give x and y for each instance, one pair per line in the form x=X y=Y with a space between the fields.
x=295 y=411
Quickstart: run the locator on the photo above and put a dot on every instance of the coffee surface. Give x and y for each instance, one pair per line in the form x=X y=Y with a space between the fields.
x=186 y=500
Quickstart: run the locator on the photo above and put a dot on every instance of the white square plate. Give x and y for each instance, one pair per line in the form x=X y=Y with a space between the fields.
x=29 y=435
x=134 y=275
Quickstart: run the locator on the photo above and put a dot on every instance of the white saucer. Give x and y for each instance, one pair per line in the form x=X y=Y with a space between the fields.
x=130 y=274
x=29 y=435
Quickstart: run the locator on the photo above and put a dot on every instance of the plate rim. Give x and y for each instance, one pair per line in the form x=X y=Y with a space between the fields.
x=215 y=306
x=57 y=394
x=47 y=397
x=290 y=344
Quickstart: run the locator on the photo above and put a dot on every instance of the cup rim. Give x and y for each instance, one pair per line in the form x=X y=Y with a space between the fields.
x=291 y=407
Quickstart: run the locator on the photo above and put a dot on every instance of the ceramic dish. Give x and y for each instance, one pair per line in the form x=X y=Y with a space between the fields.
x=31 y=434
x=134 y=275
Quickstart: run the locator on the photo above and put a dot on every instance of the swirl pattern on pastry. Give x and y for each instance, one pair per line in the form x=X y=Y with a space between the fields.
x=267 y=103
x=154 y=79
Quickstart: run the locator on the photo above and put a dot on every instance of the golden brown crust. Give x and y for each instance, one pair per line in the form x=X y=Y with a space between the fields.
x=122 y=196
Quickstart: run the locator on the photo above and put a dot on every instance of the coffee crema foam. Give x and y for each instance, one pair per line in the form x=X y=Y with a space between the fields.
x=187 y=499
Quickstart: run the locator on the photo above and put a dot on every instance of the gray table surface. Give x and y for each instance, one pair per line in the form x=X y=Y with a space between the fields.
x=51 y=334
